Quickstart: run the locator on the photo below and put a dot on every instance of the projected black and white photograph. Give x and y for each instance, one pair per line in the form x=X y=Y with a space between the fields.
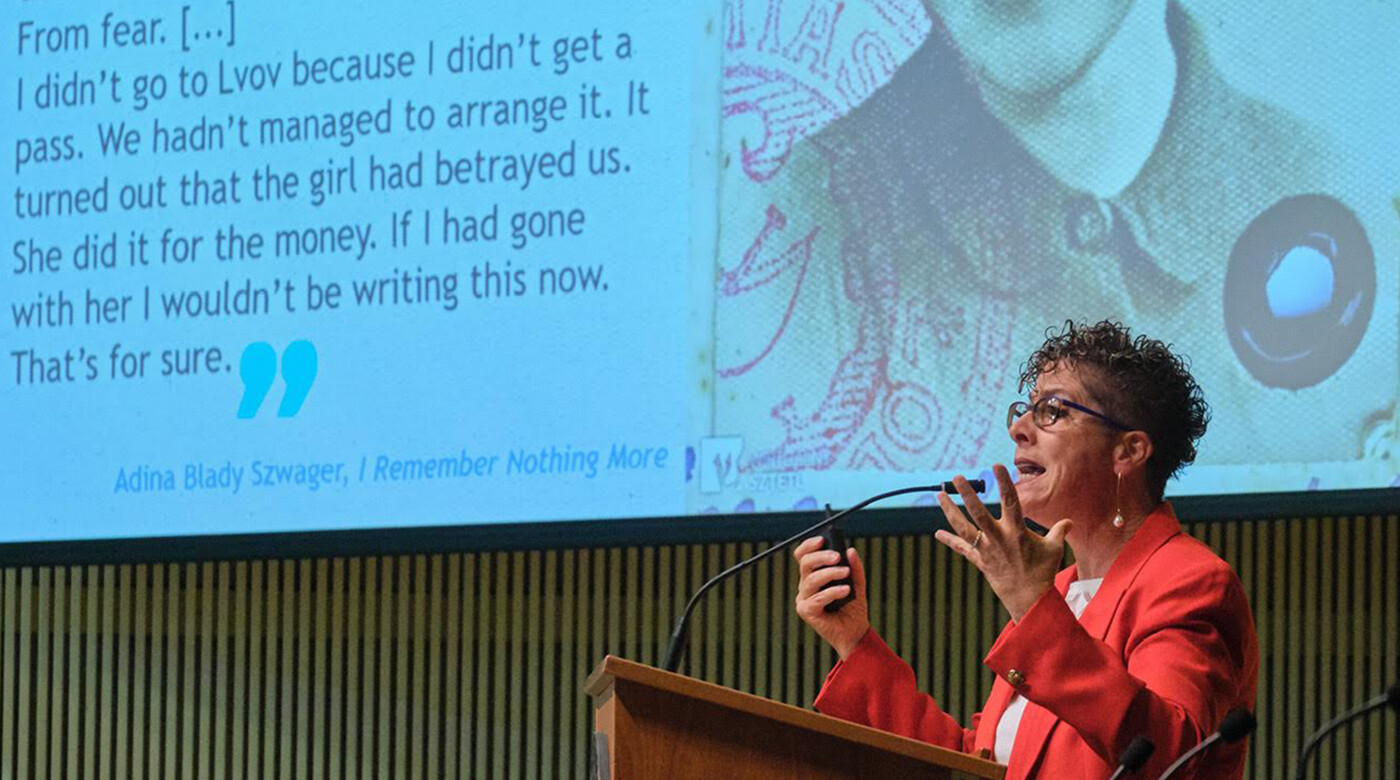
x=913 y=193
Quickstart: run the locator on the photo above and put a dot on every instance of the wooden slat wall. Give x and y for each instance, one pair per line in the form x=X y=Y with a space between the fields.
x=470 y=665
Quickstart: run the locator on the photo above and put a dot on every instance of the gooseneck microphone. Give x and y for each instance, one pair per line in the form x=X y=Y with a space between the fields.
x=1390 y=698
x=1134 y=756
x=678 y=637
x=1237 y=725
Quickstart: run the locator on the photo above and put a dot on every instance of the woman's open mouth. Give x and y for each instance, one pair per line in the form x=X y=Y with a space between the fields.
x=1028 y=470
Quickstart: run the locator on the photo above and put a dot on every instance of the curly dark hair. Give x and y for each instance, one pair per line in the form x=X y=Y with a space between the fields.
x=1136 y=380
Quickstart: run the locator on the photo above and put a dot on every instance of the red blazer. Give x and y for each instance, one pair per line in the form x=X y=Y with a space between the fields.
x=1165 y=649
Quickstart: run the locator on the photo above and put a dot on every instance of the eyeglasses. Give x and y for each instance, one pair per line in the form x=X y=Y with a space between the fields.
x=1048 y=409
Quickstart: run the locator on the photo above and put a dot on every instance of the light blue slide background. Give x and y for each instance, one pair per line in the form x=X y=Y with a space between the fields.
x=587 y=371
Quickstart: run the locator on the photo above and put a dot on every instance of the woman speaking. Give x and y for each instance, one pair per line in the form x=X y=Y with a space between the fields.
x=1148 y=633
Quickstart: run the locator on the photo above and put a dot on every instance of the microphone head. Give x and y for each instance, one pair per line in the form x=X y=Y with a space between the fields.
x=978 y=486
x=1392 y=697
x=1136 y=754
x=1237 y=725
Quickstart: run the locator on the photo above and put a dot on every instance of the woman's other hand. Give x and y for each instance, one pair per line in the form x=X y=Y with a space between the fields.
x=843 y=629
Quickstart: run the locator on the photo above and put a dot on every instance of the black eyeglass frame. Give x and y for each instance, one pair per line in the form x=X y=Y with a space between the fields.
x=1019 y=408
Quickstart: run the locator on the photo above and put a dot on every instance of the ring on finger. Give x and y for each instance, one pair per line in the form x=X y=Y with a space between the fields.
x=978 y=540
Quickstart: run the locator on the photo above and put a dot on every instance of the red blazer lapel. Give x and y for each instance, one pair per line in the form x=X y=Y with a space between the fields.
x=986 y=736
x=1159 y=526
x=1031 y=738
x=1036 y=722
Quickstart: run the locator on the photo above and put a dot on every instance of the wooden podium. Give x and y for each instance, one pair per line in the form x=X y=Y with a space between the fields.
x=654 y=724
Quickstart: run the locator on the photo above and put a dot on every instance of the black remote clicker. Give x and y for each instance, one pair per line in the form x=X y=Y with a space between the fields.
x=835 y=540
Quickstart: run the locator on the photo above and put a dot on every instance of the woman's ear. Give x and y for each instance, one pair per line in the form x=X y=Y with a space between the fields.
x=1132 y=452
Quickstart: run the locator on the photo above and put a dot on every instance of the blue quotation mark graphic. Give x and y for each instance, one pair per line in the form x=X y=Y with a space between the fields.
x=258 y=369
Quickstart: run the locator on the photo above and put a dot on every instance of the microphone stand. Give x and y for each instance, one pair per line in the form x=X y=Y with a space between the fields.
x=678 y=637
x=1390 y=697
x=1235 y=726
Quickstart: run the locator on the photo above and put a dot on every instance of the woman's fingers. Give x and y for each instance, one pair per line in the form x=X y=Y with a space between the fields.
x=980 y=516
x=810 y=556
x=814 y=582
x=813 y=608
x=1010 y=500
x=810 y=544
x=956 y=543
x=815 y=561
x=822 y=598
x=957 y=519
x=857 y=569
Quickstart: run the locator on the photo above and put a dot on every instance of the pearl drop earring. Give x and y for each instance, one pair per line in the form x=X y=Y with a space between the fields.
x=1118 y=520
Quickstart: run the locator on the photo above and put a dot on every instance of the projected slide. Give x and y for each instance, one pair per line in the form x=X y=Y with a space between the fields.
x=918 y=190
x=279 y=266
x=317 y=266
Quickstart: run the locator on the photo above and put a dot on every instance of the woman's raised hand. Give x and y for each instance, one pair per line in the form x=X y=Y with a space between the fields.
x=1018 y=564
